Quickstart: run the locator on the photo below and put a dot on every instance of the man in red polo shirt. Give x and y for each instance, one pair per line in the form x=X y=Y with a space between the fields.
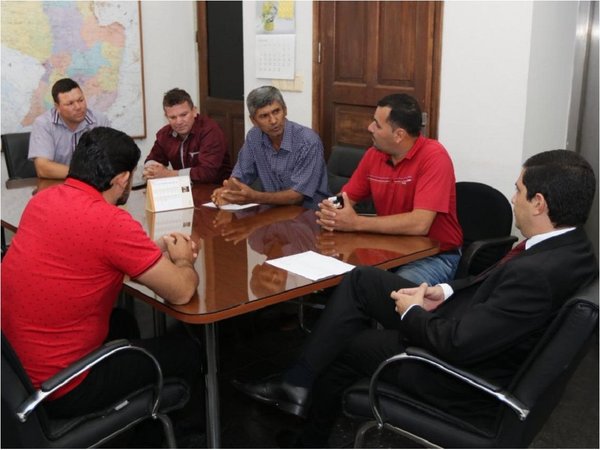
x=411 y=181
x=65 y=268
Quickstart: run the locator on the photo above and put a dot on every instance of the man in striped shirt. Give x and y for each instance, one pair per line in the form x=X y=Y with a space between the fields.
x=55 y=133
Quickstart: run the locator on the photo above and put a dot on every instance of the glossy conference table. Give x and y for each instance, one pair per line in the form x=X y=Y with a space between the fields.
x=234 y=278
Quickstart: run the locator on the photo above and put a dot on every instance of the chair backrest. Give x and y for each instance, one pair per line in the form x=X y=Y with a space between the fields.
x=16 y=149
x=340 y=167
x=16 y=388
x=541 y=380
x=483 y=213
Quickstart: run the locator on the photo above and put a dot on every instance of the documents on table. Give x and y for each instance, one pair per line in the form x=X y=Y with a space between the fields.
x=312 y=265
x=165 y=194
x=230 y=206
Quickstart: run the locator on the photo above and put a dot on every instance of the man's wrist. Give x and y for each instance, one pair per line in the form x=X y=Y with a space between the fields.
x=182 y=262
x=407 y=310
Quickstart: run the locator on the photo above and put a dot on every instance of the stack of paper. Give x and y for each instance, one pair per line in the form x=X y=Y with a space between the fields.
x=312 y=265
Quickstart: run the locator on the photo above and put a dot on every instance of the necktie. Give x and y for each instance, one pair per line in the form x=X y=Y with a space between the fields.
x=517 y=249
x=520 y=247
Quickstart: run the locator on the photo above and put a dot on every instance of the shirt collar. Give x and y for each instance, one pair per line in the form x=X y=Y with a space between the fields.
x=411 y=153
x=416 y=147
x=534 y=240
x=82 y=186
x=87 y=120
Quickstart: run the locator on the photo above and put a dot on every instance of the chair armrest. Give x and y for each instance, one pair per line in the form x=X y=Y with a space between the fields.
x=477 y=246
x=64 y=376
x=421 y=355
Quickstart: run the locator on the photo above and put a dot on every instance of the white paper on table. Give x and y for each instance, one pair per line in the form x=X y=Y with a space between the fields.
x=312 y=265
x=230 y=206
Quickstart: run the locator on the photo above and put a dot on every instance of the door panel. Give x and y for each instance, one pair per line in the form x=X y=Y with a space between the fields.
x=221 y=68
x=367 y=51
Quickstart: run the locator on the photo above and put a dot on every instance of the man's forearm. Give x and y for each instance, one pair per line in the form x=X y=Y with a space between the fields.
x=415 y=223
x=287 y=197
x=46 y=168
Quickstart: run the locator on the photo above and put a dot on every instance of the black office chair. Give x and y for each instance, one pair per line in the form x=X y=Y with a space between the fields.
x=26 y=425
x=485 y=216
x=526 y=402
x=16 y=149
x=340 y=167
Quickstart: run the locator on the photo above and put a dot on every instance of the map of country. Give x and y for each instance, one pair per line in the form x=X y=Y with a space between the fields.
x=95 y=43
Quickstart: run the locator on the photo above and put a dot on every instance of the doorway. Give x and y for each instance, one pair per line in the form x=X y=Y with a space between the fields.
x=220 y=49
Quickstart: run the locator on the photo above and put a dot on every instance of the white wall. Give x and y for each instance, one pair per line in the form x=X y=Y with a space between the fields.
x=550 y=76
x=485 y=53
x=505 y=77
x=170 y=59
x=299 y=104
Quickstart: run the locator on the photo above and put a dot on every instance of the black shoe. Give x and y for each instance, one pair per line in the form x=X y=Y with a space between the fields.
x=273 y=391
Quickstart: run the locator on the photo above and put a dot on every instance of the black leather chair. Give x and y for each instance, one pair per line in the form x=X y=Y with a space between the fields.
x=340 y=167
x=25 y=423
x=485 y=216
x=526 y=402
x=16 y=148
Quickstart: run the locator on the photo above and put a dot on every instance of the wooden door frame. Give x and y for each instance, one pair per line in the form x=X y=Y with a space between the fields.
x=201 y=42
x=435 y=76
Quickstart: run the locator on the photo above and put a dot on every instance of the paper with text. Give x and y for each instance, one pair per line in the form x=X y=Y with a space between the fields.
x=312 y=265
x=165 y=194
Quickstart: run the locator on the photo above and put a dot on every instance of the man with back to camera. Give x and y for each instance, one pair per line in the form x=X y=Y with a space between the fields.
x=411 y=181
x=55 y=133
x=486 y=324
x=285 y=156
x=65 y=268
x=192 y=143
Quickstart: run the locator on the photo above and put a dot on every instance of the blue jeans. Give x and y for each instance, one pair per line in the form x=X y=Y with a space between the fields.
x=431 y=270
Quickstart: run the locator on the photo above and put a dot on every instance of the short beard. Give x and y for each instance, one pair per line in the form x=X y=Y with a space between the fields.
x=123 y=198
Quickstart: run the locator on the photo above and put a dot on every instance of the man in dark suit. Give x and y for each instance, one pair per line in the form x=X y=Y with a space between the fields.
x=486 y=324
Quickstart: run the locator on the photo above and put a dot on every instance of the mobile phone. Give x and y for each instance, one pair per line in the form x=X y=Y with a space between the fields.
x=337 y=200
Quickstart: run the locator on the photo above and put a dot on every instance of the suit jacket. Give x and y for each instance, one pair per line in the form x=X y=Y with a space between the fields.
x=489 y=327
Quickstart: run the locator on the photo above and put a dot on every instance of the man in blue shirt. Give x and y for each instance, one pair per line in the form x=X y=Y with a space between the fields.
x=285 y=156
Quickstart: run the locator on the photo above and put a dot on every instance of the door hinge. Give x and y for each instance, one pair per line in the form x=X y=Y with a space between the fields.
x=319 y=53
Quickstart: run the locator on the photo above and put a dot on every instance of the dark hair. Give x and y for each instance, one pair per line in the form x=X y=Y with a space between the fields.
x=101 y=154
x=61 y=86
x=567 y=182
x=263 y=96
x=177 y=96
x=405 y=112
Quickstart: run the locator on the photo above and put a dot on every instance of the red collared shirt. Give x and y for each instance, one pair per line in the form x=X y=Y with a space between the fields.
x=423 y=179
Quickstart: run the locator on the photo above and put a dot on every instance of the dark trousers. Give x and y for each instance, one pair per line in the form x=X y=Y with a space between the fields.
x=344 y=347
x=363 y=295
x=126 y=371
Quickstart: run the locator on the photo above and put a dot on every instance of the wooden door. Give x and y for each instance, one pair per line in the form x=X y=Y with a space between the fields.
x=366 y=50
x=220 y=49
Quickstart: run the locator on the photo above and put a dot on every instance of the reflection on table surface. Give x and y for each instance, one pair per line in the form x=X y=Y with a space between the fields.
x=234 y=247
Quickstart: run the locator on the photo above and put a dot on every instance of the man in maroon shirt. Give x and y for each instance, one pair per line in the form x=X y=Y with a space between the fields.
x=193 y=144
